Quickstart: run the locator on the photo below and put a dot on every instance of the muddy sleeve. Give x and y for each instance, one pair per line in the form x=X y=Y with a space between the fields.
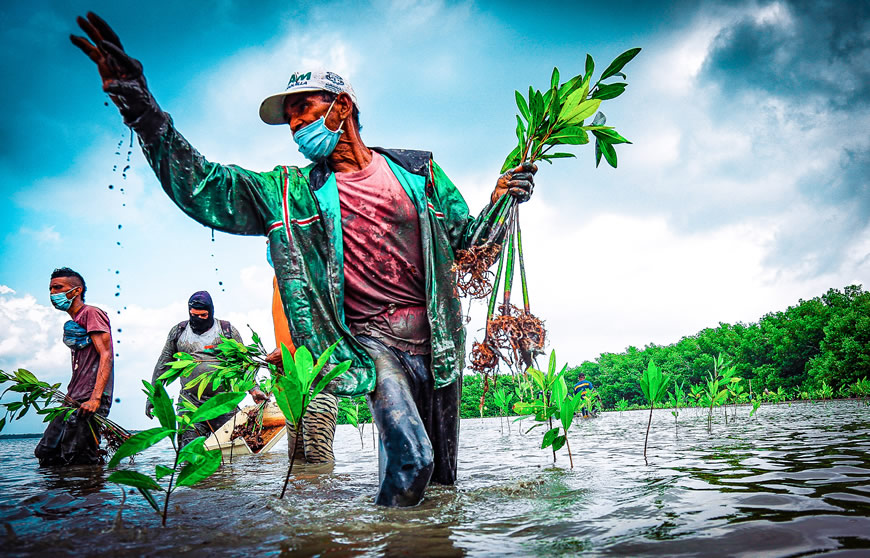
x=223 y=197
x=462 y=228
x=166 y=355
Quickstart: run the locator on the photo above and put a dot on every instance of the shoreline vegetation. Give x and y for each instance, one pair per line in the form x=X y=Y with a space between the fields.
x=817 y=349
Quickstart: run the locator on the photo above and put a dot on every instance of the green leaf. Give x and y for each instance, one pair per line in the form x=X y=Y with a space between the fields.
x=193 y=473
x=538 y=377
x=573 y=135
x=609 y=91
x=609 y=135
x=537 y=108
x=304 y=366
x=520 y=130
x=138 y=442
x=619 y=62
x=583 y=111
x=331 y=375
x=554 y=79
x=163 y=408
x=134 y=479
x=558 y=442
x=150 y=499
x=522 y=105
x=218 y=405
x=590 y=67
x=549 y=436
x=608 y=152
x=288 y=395
x=566 y=414
x=512 y=160
x=549 y=156
x=161 y=471
x=193 y=452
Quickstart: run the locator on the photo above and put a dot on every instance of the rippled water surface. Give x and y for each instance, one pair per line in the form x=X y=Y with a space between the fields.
x=791 y=481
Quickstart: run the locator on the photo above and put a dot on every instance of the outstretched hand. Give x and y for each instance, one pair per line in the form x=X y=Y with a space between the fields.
x=105 y=49
x=519 y=182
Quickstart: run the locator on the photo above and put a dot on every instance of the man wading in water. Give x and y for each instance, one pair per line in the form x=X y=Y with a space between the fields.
x=362 y=240
x=197 y=336
x=88 y=334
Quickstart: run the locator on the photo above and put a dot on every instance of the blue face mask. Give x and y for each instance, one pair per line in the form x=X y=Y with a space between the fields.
x=316 y=141
x=60 y=301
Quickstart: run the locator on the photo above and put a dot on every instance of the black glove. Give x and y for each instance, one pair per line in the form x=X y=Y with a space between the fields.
x=122 y=76
x=519 y=182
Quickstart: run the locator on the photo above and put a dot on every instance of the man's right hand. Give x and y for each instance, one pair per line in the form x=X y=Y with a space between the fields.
x=121 y=74
x=275 y=358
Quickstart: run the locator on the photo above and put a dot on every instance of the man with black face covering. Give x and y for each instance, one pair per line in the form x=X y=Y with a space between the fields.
x=197 y=336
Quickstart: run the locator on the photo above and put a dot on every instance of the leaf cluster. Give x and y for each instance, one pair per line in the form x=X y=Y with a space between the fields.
x=557 y=116
x=193 y=463
x=554 y=401
x=46 y=399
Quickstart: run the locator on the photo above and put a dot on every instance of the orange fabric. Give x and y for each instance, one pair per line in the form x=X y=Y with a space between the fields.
x=279 y=319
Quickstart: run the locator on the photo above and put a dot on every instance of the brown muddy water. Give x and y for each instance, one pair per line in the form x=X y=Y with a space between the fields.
x=791 y=481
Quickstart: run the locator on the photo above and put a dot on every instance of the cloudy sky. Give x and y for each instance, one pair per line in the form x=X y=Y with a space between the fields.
x=745 y=190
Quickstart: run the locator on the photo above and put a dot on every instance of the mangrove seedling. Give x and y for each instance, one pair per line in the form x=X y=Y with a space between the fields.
x=192 y=462
x=654 y=385
x=295 y=388
x=48 y=400
x=622 y=405
x=715 y=393
x=555 y=401
x=677 y=399
x=351 y=414
x=503 y=402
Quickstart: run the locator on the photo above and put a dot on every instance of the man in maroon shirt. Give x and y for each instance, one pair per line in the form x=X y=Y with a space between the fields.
x=88 y=334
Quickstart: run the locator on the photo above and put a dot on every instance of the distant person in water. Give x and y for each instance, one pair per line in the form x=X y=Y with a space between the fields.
x=197 y=336
x=88 y=334
x=581 y=387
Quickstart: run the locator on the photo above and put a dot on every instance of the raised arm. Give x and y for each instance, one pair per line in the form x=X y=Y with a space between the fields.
x=226 y=198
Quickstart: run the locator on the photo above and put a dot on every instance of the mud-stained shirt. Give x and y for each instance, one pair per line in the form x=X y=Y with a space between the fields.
x=86 y=361
x=384 y=289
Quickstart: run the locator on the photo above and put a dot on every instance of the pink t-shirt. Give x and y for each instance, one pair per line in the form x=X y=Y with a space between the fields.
x=383 y=253
x=86 y=362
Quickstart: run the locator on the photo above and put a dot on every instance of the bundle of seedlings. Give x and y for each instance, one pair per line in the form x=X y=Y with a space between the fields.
x=265 y=421
x=546 y=120
x=48 y=400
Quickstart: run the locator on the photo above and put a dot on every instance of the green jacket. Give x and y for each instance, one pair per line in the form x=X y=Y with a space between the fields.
x=298 y=210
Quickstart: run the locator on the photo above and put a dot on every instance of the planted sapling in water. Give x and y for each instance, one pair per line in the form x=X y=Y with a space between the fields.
x=192 y=462
x=295 y=387
x=654 y=385
x=555 y=401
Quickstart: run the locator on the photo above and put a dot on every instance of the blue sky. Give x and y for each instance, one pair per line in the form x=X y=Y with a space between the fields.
x=745 y=190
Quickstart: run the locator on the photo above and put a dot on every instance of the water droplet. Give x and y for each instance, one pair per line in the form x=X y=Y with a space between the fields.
x=128 y=155
x=117 y=341
x=220 y=282
x=117 y=271
x=119 y=311
x=212 y=237
x=116 y=356
x=118 y=243
x=105 y=103
x=122 y=190
x=119 y=330
x=117 y=152
x=117 y=399
x=114 y=168
x=125 y=308
x=123 y=205
x=111 y=186
x=117 y=294
x=119 y=227
x=117 y=286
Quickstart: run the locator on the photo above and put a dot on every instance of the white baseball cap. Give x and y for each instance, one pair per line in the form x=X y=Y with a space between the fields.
x=272 y=108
